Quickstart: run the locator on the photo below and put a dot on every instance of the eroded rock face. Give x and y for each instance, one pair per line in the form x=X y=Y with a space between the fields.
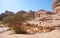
x=56 y=6
x=56 y=3
x=48 y=20
x=31 y=28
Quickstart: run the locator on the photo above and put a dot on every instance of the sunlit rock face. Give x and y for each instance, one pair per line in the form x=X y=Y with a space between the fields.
x=42 y=14
x=32 y=28
x=49 y=18
x=56 y=6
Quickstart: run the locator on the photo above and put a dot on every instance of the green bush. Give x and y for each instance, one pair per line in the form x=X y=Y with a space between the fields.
x=15 y=23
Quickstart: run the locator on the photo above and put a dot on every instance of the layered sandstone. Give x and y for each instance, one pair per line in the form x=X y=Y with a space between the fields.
x=56 y=6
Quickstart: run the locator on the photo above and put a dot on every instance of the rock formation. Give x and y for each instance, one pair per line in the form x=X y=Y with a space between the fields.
x=46 y=18
x=49 y=18
x=32 y=28
x=56 y=6
x=44 y=21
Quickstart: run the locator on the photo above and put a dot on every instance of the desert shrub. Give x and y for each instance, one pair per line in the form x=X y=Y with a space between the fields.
x=19 y=28
x=15 y=23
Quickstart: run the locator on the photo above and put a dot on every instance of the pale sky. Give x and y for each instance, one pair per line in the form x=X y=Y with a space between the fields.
x=16 y=5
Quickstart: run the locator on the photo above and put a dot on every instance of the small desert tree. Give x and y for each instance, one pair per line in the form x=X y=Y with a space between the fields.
x=15 y=22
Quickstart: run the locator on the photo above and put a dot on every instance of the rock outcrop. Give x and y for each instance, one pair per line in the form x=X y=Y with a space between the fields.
x=49 y=18
x=45 y=18
x=56 y=6
x=32 y=28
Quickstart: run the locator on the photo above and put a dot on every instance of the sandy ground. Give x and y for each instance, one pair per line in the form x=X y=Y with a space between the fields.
x=53 y=34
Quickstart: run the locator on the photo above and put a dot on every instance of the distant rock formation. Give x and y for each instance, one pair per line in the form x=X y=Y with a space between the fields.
x=22 y=12
x=43 y=15
x=6 y=13
x=30 y=14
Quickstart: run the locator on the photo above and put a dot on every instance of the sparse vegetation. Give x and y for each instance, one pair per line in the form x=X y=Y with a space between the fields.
x=15 y=22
